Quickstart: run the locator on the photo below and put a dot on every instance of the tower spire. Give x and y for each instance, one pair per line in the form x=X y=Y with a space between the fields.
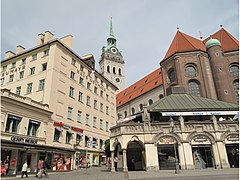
x=111 y=28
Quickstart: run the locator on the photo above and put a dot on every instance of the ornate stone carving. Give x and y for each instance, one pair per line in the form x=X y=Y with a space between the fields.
x=167 y=140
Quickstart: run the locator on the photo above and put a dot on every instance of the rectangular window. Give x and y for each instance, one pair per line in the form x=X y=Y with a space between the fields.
x=29 y=88
x=13 y=123
x=95 y=104
x=70 y=112
x=107 y=108
x=101 y=107
x=34 y=57
x=57 y=134
x=102 y=82
x=106 y=126
x=32 y=70
x=95 y=90
x=73 y=62
x=18 y=90
x=89 y=73
x=23 y=61
x=21 y=74
x=33 y=127
x=88 y=100
x=71 y=92
x=107 y=86
x=78 y=139
x=68 y=137
x=101 y=93
x=79 y=117
x=2 y=81
x=89 y=85
x=107 y=97
x=44 y=67
x=11 y=78
x=13 y=64
x=41 y=84
x=72 y=75
x=80 y=96
x=87 y=119
x=46 y=52
x=4 y=68
x=81 y=81
x=81 y=68
x=94 y=122
x=101 y=124
x=96 y=78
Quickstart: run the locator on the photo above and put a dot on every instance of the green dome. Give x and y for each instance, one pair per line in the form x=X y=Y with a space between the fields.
x=212 y=42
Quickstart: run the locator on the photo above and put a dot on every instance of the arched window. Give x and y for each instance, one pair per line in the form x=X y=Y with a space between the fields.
x=114 y=70
x=194 y=88
x=234 y=70
x=133 y=111
x=150 y=101
x=190 y=70
x=125 y=113
x=161 y=96
x=236 y=89
x=108 y=69
x=141 y=107
x=119 y=71
x=172 y=75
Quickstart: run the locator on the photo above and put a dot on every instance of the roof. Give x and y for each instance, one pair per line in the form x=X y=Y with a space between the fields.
x=149 y=82
x=186 y=102
x=184 y=43
x=228 y=42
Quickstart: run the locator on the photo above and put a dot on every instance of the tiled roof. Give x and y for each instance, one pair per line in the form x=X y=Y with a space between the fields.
x=228 y=42
x=183 y=43
x=142 y=86
x=185 y=102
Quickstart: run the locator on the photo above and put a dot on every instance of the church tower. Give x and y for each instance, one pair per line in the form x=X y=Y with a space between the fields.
x=111 y=62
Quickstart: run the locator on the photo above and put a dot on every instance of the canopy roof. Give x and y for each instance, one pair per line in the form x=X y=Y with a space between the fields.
x=186 y=102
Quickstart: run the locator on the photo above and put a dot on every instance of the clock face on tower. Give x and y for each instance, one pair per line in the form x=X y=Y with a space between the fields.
x=114 y=50
x=117 y=80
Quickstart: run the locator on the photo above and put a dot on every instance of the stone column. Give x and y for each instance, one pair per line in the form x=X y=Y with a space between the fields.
x=216 y=156
x=223 y=155
x=151 y=157
x=125 y=168
x=188 y=156
x=181 y=156
x=112 y=161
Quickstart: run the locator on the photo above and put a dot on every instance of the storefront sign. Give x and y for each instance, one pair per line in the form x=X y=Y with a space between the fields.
x=233 y=138
x=66 y=126
x=24 y=140
x=200 y=113
x=200 y=139
x=58 y=124
x=13 y=70
x=77 y=129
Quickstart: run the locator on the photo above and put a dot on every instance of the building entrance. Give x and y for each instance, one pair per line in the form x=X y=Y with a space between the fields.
x=202 y=157
x=166 y=157
x=233 y=155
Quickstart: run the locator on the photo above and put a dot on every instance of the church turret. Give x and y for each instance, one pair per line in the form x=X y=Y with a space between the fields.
x=111 y=62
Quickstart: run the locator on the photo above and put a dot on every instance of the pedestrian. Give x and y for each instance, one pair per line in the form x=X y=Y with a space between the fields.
x=115 y=162
x=6 y=164
x=44 y=168
x=24 y=169
x=88 y=161
x=39 y=168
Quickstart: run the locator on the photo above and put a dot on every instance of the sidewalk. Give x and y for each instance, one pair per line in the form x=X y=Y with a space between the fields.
x=103 y=173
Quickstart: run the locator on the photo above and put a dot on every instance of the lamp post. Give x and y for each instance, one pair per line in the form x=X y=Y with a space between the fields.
x=177 y=171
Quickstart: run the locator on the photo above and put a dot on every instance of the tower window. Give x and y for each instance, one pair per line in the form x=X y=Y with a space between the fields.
x=133 y=111
x=108 y=69
x=236 y=89
x=234 y=70
x=119 y=71
x=150 y=101
x=172 y=76
x=190 y=71
x=114 y=70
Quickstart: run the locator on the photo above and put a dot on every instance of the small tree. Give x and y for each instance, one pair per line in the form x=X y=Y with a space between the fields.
x=107 y=148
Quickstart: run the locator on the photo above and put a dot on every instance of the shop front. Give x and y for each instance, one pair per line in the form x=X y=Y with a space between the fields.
x=80 y=159
x=232 y=148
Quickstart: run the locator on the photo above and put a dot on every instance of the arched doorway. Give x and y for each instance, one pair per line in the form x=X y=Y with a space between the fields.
x=118 y=157
x=135 y=156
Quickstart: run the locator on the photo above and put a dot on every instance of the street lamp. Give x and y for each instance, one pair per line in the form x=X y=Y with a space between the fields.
x=177 y=171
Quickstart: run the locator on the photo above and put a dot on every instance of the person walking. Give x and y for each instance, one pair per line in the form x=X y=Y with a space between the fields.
x=44 y=168
x=115 y=162
x=24 y=169
x=6 y=164
x=39 y=169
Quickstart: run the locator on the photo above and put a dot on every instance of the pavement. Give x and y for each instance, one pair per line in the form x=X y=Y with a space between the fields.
x=103 y=173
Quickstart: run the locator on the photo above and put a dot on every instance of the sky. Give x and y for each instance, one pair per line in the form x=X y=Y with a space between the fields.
x=144 y=29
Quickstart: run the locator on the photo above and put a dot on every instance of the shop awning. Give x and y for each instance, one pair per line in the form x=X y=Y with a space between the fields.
x=58 y=129
x=70 y=132
x=79 y=134
x=14 y=117
x=34 y=122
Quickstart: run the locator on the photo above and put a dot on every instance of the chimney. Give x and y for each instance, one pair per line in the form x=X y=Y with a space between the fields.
x=20 y=49
x=48 y=36
x=9 y=54
x=40 y=39
x=67 y=40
